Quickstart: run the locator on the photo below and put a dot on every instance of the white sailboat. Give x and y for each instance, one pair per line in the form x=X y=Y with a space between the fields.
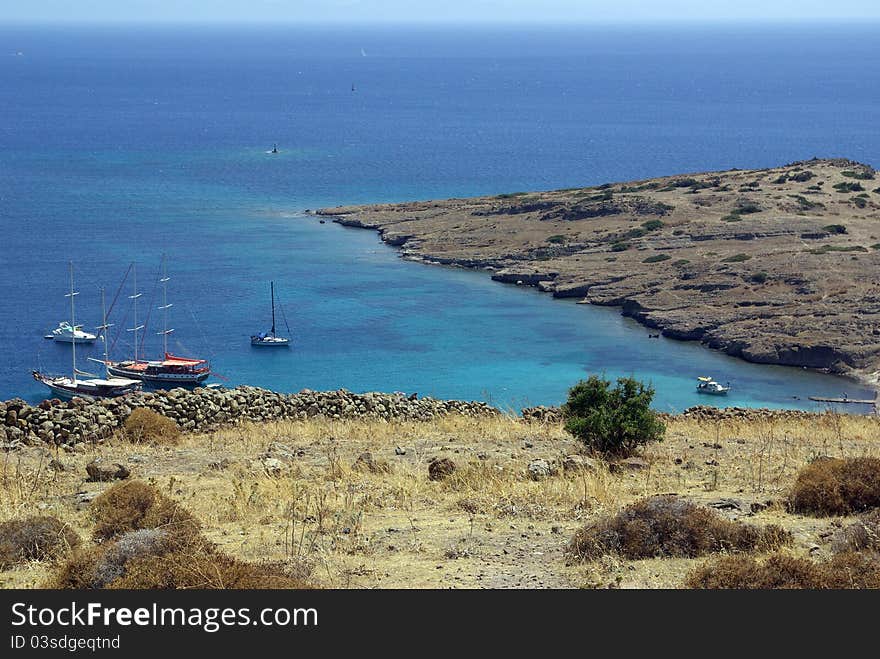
x=270 y=338
x=92 y=387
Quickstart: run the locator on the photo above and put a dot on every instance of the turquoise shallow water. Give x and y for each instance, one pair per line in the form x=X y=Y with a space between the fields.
x=122 y=147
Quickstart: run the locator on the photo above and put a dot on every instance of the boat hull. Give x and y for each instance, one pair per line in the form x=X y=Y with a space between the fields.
x=66 y=389
x=277 y=342
x=156 y=374
x=69 y=339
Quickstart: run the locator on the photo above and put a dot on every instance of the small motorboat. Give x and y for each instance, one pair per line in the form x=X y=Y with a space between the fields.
x=67 y=333
x=706 y=385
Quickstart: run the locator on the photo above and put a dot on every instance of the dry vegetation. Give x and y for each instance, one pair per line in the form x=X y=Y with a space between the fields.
x=296 y=503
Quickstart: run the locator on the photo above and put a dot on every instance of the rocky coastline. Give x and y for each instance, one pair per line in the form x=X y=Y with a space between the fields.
x=774 y=266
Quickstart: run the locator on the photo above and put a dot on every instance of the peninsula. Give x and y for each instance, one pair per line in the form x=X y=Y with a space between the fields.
x=776 y=266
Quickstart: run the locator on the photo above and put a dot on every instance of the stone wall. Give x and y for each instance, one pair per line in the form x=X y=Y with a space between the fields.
x=203 y=409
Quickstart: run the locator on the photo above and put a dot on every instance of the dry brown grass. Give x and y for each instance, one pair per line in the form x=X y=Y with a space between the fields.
x=837 y=486
x=35 y=538
x=144 y=425
x=782 y=571
x=668 y=525
x=486 y=525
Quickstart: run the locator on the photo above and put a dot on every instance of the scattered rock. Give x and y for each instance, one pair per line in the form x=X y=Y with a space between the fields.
x=539 y=469
x=220 y=465
x=628 y=464
x=440 y=468
x=575 y=462
x=100 y=472
x=273 y=467
x=399 y=451
x=726 y=504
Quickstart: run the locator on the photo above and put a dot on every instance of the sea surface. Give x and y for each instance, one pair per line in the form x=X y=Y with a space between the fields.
x=120 y=144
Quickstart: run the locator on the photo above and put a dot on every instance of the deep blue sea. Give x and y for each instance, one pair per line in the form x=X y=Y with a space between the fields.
x=120 y=144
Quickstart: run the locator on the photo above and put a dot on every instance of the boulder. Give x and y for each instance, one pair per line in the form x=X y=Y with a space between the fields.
x=540 y=469
x=577 y=462
x=102 y=472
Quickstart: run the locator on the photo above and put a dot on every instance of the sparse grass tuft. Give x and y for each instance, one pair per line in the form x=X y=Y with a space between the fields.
x=837 y=486
x=670 y=526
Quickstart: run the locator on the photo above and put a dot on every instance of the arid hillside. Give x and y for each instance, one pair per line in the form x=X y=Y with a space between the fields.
x=775 y=265
x=356 y=503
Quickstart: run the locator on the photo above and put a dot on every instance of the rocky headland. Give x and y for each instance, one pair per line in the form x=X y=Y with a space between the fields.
x=776 y=266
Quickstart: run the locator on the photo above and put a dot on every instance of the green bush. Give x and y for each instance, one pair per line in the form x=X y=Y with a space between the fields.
x=759 y=277
x=613 y=421
x=802 y=177
x=558 y=239
x=652 y=225
x=835 y=228
x=736 y=258
x=657 y=258
x=846 y=186
x=620 y=247
x=746 y=207
x=861 y=174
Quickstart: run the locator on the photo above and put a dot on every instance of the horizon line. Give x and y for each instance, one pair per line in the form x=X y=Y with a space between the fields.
x=510 y=22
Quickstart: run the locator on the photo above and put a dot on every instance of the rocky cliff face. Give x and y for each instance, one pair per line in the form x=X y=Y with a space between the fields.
x=776 y=266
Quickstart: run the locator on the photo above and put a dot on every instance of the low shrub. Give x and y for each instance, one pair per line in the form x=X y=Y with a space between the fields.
x=653 y=225
x=736 y=258
x=860 y=535
x=670 y=526
x=144 y=425
x=780 y=571
x=155 y=559
x=835 y=228
x=135 y=505
x=747 y=207
x=36 y=538
x=802 y=177
x=860 y=174
x=620 y=247
x=612 y=421
x=558 y=239
x=847 y=186
x=657 y=258
x=759 y=277
x=836 y=486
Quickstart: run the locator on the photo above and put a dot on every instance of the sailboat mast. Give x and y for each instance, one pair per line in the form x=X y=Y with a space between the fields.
x=165 y=306
x=134 y=297
x=72 y=324
x=272 y=289
x=104 y=327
